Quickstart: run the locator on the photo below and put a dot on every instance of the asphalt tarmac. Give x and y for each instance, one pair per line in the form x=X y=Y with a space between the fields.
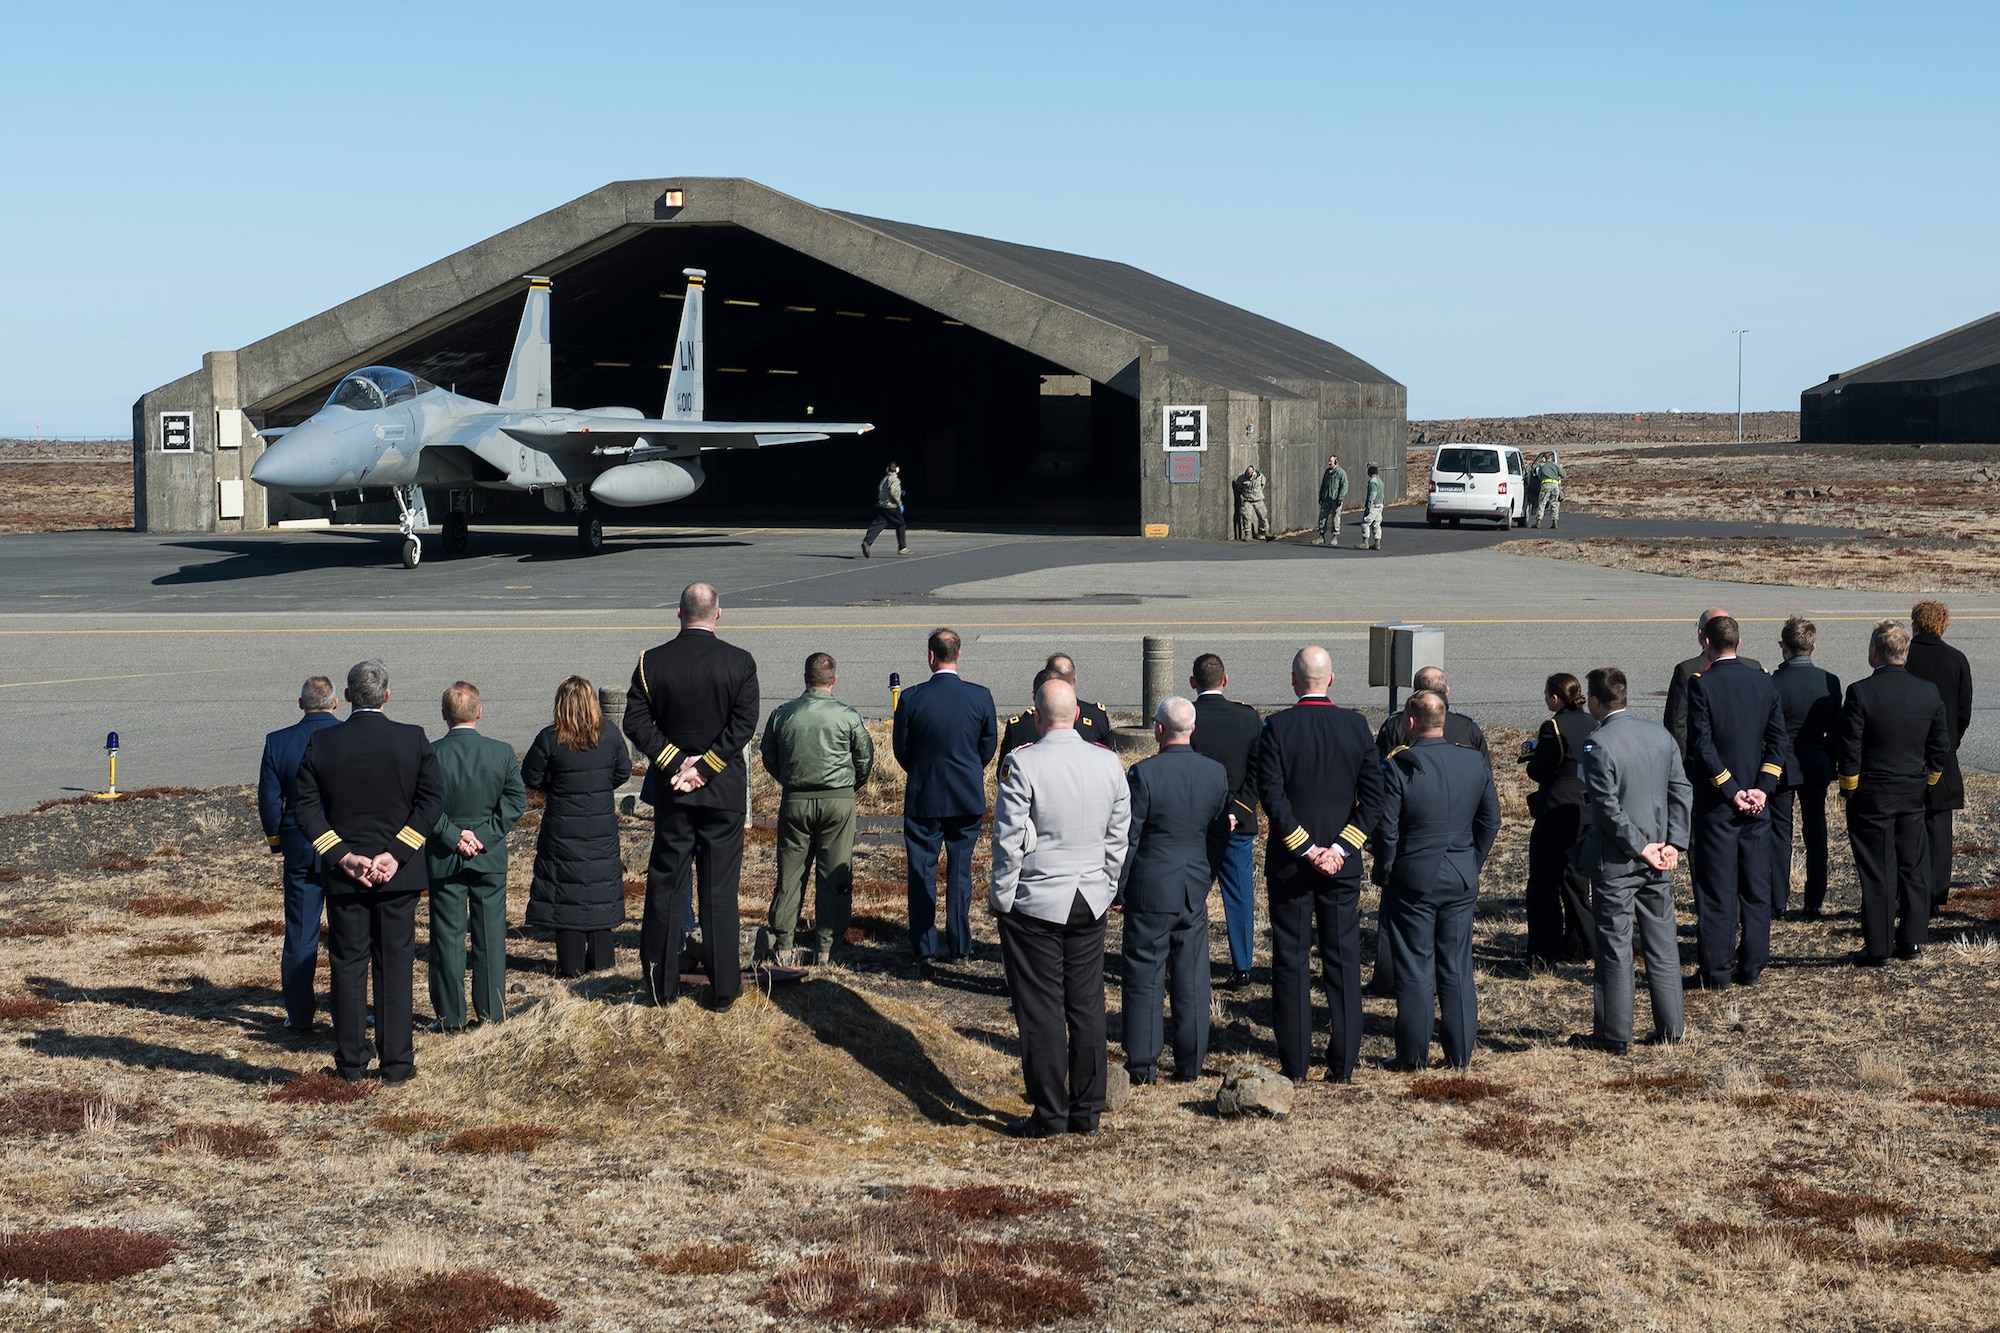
x=192 y=647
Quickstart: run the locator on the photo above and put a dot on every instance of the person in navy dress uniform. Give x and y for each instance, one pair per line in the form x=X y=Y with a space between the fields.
x=277 y=802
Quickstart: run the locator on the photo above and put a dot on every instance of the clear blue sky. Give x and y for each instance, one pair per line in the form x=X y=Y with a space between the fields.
x=1510 y=208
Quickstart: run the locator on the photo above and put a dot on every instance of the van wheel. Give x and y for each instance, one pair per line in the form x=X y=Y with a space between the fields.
x=1453 y=521
x=1521 y=519
x=1431 y=519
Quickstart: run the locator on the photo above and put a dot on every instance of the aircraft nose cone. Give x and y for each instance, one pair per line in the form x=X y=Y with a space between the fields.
x=305 y=459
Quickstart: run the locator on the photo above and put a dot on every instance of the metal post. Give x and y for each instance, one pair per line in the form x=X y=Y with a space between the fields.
x=1158 y=673
x=1739 y=382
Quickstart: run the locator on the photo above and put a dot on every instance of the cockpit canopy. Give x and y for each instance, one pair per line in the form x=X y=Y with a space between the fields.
x=373 y=387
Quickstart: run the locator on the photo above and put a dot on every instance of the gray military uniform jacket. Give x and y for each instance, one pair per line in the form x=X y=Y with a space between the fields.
x=1059 y=828
x=1636 y=792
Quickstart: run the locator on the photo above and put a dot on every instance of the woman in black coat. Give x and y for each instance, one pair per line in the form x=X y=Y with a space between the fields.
x=579 y=886
x=1559 y=919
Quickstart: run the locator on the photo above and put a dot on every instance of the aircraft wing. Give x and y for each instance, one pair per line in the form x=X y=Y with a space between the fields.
x=583 y=431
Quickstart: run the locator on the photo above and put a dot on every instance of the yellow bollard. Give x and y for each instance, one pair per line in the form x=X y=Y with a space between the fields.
x=111 y=788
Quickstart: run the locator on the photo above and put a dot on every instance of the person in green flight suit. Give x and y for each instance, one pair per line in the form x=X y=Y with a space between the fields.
x=1332 y=495
x=1371 y=512
x=819 y=751
x=483 y=800
x=1548 y=475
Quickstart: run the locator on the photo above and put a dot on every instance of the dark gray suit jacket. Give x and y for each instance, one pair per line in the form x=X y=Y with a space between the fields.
x=1439 y=819
x=1177 y=796
x=1636 y=790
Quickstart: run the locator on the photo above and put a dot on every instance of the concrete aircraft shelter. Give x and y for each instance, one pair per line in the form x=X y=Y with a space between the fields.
x=1015 y=385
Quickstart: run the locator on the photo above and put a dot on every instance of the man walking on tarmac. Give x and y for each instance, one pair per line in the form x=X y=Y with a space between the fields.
x=1548 y=476
x=1332 y=495
x=889 y=512
x=1371 y=512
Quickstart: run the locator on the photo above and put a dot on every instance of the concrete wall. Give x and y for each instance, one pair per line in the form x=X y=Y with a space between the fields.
x=178 y=492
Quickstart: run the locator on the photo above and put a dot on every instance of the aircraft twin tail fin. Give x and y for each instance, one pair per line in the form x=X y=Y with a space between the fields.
x=684 y=380
x=528 y=373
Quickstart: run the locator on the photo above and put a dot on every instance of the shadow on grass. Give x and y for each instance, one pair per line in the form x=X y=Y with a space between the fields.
x=255 y=1010
x=846 y=1019
x=151 y=1055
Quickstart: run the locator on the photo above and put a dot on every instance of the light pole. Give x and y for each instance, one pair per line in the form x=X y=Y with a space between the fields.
x=1739 y=382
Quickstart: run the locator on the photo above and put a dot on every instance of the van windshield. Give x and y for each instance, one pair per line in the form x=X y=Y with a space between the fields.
x=1468 y=460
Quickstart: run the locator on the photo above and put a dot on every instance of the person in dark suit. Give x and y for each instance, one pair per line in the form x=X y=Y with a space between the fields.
x=1558 y=894
x=1894 y=744
x=1440 y=815
x=1640 y=804
x=1321 y=784
x=1178 y=798
x=483 y=800
x=1737 y=740
x=1936 y=661
x=1059 y=843
x=277 y=802
x=944 y=735
x=1391 y=736
x=1092 y=722
x=578 y=891
x=369 y=794
x=1227 y=732
x=1675 y=719
x=692 y=709
x=1811 y=700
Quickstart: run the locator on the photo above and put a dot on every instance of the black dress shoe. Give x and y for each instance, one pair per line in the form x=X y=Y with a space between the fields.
x=438 y=1026
x=1745 y=978
x=398 y=1080
x=1909 y=952
x=1590 y=1041
x=1661 y=1039
x=1395 y=1066
x=1143 y=1078
x=1702 y=981
x=333 y=1071
x=1087 y=1130
x=1237 y=976
x=1861 y=958
x=926 y=970
x=718 y=1004
x=1378 y=992
x=1026 y=1128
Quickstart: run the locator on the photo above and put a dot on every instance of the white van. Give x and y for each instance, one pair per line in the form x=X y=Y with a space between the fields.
x=1478 y=481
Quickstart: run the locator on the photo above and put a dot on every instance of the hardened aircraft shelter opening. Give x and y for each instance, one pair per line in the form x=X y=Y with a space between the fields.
x=1015 y=385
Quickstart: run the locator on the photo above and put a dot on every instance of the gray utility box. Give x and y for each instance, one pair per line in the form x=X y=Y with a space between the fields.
x=1398 y=650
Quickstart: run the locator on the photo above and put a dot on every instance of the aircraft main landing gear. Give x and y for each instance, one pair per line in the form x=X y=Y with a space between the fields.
x=457 y=532
x=589 y=533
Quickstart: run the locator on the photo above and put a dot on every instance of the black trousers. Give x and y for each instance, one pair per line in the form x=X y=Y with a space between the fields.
x=581 y=951
x=1166 y=958
x=1559 y=918
x=1885 y=827
x=710 y=841
x=372 y=932
x=1732 y=895
x=888 y=518
x=1937 y=826
x=1057 y=976
x=1430 y=934
x=1307 y=908
x=1812 y=823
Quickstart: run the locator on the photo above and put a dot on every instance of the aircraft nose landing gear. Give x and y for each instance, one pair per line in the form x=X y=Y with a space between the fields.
x=410 y=503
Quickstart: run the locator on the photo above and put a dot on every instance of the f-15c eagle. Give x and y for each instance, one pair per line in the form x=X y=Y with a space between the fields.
x=385 y=429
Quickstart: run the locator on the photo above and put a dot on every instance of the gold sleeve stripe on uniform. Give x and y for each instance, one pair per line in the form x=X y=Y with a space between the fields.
x=644 y=688
x=1850 y=781
x=1722 y=777
x=325 y=841
x=1931 y=779
x=271 y=838
x=1393 y=753
x=409 y=837
x=1773 y=769
x=667 y=756
x=1353 y=836
x=1297 y=840
x=714 y=761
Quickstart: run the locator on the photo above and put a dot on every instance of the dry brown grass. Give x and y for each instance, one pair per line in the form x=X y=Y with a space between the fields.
x=501 y=1139
x=66 y=496
x=116 y=863
x=321 y=1087
x=1520 y=1135
x=413 y=1122
x=271 y=929
x=80 y=1254
x=990 y=1203
x=1658 y=1087
x=1378 y=1183
x=232 y=1141
x=1787 y=1201
x=703 y=1260
x=170 y=946
x=1332 y=1311
x=35 y=928
x=1463 y=1089
x=446 y=1302
x=160 y=905
x=39 y=1111
x=25 y=1009
x=1964 y=1099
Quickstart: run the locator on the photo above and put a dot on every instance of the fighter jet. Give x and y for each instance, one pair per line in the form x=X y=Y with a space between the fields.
x=385 y=429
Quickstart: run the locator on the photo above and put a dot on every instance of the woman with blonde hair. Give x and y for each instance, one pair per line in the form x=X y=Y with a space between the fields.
x=578 y=892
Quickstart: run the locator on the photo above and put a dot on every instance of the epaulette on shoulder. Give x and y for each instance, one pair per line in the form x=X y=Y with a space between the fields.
x=1082 y=721
x=1012 y=720
x=1393 y=753
x=1407 y=758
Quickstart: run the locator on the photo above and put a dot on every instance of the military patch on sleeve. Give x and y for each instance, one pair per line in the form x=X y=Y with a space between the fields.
x=1006 y=769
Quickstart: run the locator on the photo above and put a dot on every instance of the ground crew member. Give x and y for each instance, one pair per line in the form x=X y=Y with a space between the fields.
x=1894 y=744
x=1548 y=478
x=1738 y=742
x=1332 y=495
x=819 y=751
x=1371 y=512
x=889 y=512
x=1251 y=518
